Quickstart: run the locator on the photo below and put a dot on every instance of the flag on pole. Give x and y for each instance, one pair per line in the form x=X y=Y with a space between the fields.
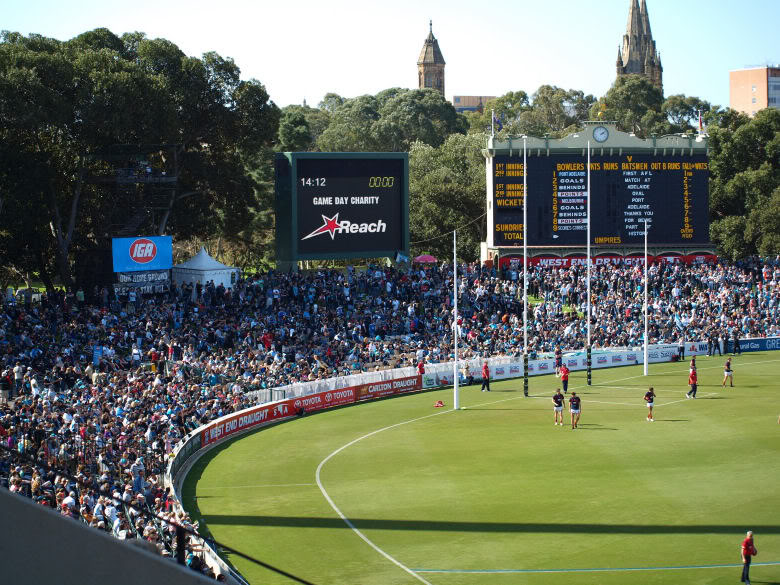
x=701 y=123
x=497 y=121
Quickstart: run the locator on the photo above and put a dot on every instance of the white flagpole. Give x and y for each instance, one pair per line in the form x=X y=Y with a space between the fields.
x=588 y=247
x=455 y=392
x=492 y=128
x=525 y=249
x=647 y=337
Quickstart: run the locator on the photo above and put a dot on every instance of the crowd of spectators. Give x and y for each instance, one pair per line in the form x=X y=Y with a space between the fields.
x=103 y=388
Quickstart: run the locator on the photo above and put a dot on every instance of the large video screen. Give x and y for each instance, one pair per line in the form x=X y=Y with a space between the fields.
x=350 y=205
x=669 y=192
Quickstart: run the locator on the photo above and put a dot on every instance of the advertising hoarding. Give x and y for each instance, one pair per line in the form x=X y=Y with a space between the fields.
x=143 y=253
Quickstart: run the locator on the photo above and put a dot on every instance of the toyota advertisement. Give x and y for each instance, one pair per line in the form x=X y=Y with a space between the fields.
x=142 y=253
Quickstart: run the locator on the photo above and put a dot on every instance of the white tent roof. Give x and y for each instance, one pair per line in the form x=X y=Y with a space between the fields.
x=202 y=261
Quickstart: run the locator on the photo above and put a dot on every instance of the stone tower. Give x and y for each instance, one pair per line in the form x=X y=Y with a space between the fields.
x=638 y=54
x=430 y=65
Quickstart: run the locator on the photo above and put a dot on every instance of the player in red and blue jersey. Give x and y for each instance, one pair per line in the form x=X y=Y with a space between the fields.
x=575 y=407
x=649 y=398
x=557 y=401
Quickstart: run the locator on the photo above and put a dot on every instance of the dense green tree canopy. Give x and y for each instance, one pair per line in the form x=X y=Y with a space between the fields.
x=66 y=104
x=447 y=191
x=390 y=121
x=745 y=183
x=71 y=111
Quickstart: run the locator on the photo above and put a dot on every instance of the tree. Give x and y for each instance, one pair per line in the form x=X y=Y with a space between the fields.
x=628 y=102
x=763 y=226
x=66 y=103
x=351 y=127
x=683 y=111
x=294 y=132
x=745 y=182
x=506 y=108
x=408 y=116
x=550 y=111
x=729 y=232
x=389 y=121
x=447 y=191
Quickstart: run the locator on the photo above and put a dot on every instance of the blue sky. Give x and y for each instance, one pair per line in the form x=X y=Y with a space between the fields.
x=304 y=49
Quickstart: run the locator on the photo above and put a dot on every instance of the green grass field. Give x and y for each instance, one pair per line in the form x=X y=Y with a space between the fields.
x=496 y=494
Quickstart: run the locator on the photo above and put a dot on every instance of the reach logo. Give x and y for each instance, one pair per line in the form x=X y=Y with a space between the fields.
x=332 y=225
x=143 y=250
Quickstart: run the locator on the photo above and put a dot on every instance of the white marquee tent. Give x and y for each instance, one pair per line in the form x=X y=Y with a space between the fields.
x=203 y=268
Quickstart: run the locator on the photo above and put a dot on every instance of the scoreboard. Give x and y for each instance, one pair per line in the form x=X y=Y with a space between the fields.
x=341 y=205
x=352 y=204
x=669 y=192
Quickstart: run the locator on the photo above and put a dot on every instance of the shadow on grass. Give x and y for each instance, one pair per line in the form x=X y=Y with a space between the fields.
x=594 y=427
x=487 y=527
x=672 y=420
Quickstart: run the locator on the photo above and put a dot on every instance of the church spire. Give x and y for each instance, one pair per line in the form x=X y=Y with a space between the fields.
x=634 y=27
x=645 y=19
x=638 y=55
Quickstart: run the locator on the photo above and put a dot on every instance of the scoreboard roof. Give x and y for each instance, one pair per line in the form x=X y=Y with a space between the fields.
x=604 y=138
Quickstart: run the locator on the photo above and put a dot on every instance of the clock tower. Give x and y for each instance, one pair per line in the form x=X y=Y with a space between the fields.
x=430 y=65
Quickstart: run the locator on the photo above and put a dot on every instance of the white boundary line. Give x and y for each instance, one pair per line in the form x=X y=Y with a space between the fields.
x=270 y=485
x=333 y=505
x=367 y=540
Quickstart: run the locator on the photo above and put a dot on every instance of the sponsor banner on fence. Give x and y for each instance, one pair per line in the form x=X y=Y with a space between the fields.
x=339 y=397
x=756 y=344
x=226 y=427
x=516 y=262
x=388 y=388
x=429 y=381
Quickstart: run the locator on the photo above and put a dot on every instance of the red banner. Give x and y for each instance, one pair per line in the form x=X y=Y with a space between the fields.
x=244 y=420
x=516 y=262
x=320 y=401
x=388 y=388
x=325 y=400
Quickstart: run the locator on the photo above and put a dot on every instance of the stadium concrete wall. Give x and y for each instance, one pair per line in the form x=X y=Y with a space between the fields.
x=39 y=546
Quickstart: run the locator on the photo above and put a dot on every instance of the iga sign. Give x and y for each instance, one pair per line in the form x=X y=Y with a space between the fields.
x=142 y=253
